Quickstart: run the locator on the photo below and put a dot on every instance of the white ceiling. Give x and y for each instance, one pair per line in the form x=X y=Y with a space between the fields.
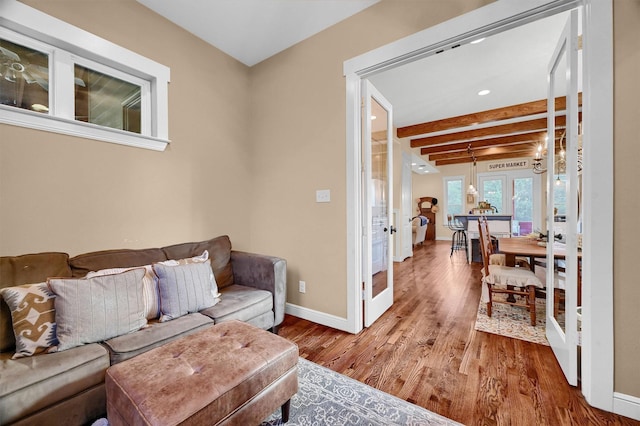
x=511 y=64
x=254 y=30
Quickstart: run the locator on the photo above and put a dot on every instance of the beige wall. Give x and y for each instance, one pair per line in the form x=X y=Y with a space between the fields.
x=627 y=204
x=299 y=127
x=71 y=194
x=250 y=162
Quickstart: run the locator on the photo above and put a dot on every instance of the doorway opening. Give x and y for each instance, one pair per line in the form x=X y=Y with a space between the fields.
x=597 y=384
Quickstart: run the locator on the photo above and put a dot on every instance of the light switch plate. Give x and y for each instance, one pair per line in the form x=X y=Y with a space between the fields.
x=323 y=196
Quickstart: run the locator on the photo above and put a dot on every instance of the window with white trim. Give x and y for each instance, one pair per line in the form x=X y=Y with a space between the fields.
x=454 y=196
x=59 y=78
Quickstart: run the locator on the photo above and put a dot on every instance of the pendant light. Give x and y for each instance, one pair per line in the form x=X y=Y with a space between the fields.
x=472 y=168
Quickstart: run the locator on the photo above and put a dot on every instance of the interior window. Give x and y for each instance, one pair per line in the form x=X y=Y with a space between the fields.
x=492 y=191
x=24 y=77
x=454 y=195
x=522 y=207
x=59 y=78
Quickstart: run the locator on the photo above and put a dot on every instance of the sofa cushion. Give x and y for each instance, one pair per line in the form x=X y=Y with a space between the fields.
x=82 y=264
x=219 y=249
x=129 y=345
x=33 y=383
x=34 y=318
x=90 y=310
x=241 y=303
x=26 y=269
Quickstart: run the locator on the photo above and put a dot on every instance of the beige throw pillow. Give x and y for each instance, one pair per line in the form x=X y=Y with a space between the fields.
x=150 y=294
x=185 y=289
x=33 y=316
x=94 y=309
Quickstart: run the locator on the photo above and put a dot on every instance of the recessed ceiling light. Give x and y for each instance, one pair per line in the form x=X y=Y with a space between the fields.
x=480 y=40
x=373 y=117
x=413 y=164
x=484 y=92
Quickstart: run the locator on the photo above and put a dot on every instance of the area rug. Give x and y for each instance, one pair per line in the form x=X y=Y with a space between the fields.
x=513 y=321
x=327 y=398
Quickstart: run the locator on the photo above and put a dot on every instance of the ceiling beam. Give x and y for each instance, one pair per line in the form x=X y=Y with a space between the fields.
x=526 y=148
x=536 y=137
x=539 y=125
x=508 y=151
x=484 y=158
x=513 y=111
x=484 y=143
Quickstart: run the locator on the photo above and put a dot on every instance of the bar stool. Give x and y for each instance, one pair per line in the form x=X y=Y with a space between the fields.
x=459 y=237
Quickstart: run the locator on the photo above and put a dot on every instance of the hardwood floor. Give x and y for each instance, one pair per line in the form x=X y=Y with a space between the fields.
x=425 y=350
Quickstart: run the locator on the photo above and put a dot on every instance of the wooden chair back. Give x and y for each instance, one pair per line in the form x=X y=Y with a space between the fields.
x=486 y=246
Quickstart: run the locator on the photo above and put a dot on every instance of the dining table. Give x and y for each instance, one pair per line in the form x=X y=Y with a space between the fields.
x=532 y=248
x=528 y=247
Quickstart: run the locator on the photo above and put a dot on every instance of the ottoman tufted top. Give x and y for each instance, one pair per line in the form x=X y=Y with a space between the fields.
x=208 y=374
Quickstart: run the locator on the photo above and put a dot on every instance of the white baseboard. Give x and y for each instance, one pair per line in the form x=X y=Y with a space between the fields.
x=318 y=317
x=626 y=405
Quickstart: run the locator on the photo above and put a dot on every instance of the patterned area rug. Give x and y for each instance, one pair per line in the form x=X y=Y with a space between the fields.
x=513 y=321
x=327 y=398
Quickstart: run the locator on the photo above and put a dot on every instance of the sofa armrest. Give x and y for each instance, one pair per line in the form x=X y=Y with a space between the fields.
x=264 y=273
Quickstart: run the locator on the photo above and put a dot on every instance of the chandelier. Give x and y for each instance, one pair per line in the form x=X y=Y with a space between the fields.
x=560 y=163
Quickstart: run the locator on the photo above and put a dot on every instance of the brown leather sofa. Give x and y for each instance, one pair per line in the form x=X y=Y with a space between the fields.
x=68 y=387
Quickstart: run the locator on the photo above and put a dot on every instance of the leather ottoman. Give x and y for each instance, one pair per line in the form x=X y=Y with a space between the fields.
x=229 y=374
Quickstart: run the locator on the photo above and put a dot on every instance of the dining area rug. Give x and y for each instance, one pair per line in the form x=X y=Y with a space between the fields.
x=513 y=321
x=327 y=398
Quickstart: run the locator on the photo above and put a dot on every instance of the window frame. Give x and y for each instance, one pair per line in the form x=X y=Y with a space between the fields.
x=70 y=45
x=509 y=176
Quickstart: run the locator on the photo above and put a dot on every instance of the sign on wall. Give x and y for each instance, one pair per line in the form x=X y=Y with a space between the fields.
x=508 y=165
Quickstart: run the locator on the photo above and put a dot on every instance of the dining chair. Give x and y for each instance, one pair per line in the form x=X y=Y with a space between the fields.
x=510 y=280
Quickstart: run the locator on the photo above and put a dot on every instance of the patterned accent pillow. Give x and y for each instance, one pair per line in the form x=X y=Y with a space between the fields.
x=33 y=315
x=150 y=293
x=95 y=309
x=185 y=289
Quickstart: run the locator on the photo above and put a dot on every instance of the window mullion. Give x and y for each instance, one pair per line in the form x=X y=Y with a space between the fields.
x=63 y=88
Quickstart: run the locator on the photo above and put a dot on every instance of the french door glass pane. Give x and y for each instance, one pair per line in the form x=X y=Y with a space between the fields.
x=380 y=198
x=24 y=77
x=107 y=101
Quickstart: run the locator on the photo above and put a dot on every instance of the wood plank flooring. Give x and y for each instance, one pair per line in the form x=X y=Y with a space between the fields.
x=425 y=350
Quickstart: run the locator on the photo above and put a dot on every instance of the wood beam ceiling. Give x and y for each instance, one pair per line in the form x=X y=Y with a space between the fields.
x=517 y=139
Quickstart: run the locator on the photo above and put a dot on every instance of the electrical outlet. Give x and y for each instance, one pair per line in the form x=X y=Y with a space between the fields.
x=302 y=287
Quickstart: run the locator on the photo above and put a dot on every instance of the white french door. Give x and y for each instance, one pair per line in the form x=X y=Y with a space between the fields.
x=377 y=238
x=562 y=178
